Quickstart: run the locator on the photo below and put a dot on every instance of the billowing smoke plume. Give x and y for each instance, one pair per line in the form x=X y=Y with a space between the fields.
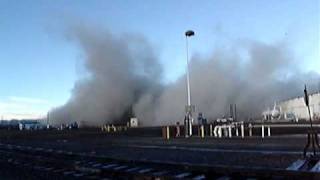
x=124 y=78
x=253 y=77
x=121 y=71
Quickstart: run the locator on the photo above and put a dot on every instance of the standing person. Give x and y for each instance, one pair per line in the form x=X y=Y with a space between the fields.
x=177 y=129
x=200 y=122
x=200 y=119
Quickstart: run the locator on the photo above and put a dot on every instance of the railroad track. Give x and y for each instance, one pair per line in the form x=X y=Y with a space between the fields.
x=43 y=163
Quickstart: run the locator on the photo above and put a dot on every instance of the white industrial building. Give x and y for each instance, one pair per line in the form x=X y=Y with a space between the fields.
x=298 y=107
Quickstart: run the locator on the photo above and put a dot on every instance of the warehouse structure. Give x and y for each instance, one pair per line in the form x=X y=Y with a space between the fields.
x=297 y=107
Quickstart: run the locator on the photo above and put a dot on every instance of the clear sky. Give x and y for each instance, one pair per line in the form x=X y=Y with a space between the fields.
x=39 y=66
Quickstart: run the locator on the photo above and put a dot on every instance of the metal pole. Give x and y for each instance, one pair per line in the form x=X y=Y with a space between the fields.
x=188 y=77
x=48 y=118
x=306 y=96
x=310 y=118
x=235 y=112
x=189 y=108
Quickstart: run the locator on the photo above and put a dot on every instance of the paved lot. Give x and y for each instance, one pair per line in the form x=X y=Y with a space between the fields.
x=273 y=152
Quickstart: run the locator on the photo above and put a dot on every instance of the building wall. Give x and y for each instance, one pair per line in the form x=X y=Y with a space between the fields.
x=298 y=108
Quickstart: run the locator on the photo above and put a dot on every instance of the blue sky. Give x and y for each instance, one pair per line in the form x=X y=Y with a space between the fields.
x=39 y=65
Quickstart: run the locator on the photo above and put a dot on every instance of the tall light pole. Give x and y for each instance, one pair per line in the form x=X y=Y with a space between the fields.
x=189 y=107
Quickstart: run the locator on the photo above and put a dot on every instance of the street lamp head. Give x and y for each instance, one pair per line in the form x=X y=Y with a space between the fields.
x=189 y=33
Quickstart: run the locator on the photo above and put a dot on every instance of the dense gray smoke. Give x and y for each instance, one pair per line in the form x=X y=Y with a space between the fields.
x=124 y=75
x=252 y=77
x=121 y=70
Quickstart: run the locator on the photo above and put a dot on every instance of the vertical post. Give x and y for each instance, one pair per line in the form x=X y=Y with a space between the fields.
x=202 y=131
x=269 y=131
x=306 y=100
x=188 y=77
x=215 y=131
x=230 y=132
x=235 y=112
x=48 y=118
x=186 y=126
x=250 y=129
x=166 y=132
x=262 y=131
x=237 y=130
x=242 y=130
x=190 y=125
x=220 y=132
x=210 y=129
x=188 y=33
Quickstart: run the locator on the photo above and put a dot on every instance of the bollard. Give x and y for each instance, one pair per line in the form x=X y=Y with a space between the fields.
x=202 y=131
x=262 y=131
x=269 y=131
x=237 y=130
x=166 y=132
x=219 y=131
x=210 y=129
x=250 y=129
x=242 y=130
x=230 y=132
x=164 y=135
x=215 y=131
